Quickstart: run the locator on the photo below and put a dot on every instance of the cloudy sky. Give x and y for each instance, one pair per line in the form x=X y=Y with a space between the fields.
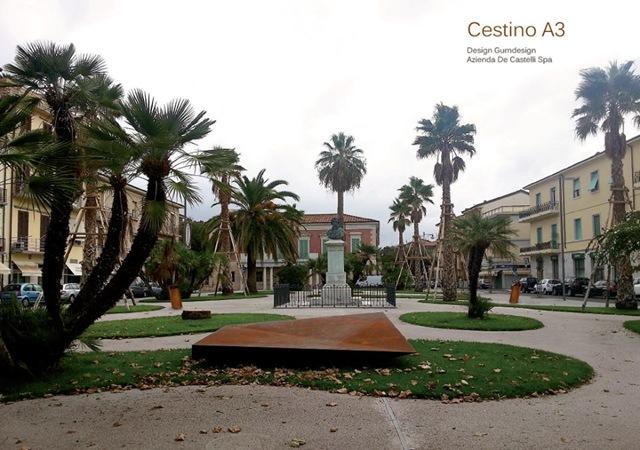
x=281 y=76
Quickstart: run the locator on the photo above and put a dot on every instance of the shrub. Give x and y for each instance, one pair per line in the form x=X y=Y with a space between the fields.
x=479 y=308
x=295 y=275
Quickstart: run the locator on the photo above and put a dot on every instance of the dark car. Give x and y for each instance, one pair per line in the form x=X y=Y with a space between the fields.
x=528 y=284
x=139 y=289
x=574 y=286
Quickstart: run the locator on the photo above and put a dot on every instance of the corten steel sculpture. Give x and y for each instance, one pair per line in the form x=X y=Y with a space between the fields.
x=328 y=339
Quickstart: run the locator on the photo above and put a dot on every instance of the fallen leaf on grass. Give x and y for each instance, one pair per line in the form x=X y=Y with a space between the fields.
x=342 y=391
x=497 y=370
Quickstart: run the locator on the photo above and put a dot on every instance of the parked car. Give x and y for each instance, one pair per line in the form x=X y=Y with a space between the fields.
x=528 y=284
x=546 y=286
x=69 y=292
x=484 y=283
x=139 y=289
x=574 y=286
x=601 y=287
x=370 y=281
x=25 y=293
x=636 y=287
x=155 y=289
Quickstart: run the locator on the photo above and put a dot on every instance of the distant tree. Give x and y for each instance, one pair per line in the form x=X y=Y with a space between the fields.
x=341 y=167
x=400 y=218
x=473 y=235
x=607 y=96
x=415 y=195
x=446 y=139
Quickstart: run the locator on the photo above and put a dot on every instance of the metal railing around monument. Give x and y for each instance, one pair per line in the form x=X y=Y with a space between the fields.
x=334 y=297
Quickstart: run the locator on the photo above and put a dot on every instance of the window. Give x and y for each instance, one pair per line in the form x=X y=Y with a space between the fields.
x=597 y=230
x=576 y=187
x=259 y=276
x=594 y=184
x=578 y=265
x=303 y=248
x=552 y=194
x=538 y=199
x=539 y=235
x=577 y=229
x=233 y=276
x=355 y=243
x=554 y=237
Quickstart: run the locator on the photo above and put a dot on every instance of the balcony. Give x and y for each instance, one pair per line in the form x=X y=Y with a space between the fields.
x=542 y=248
x=504 y=211
x=547 y=209
x=27 y=245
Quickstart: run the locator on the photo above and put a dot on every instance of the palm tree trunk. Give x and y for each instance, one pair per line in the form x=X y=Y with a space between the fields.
x=401 y=245
x=143 y=243
x=615 y=145
x=473 y=266
x=251 y=271
x=109 y=256
x=89 y=251
x=448 y=258
x=341 y=207
x=225 y=237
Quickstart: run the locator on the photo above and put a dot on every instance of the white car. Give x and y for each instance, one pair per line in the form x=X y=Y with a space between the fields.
x=546 y=286
x=69 y=291
x=370 y=281
x=636 y=287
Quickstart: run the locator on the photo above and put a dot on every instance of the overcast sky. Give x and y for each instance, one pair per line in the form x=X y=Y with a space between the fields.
x=280 y=77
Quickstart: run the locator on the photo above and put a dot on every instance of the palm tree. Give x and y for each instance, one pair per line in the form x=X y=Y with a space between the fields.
x=400 y=219
x=221 y=176
x=341 y=167
x=415 y=195
x=444 y=138
x=607 y=96
x=473 y=235
x=264 y=223
x=318 y=266
x=63 y=79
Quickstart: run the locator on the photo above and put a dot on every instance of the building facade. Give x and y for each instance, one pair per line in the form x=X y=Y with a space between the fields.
x=502 y=272
x=358 y=230
x=575 y=200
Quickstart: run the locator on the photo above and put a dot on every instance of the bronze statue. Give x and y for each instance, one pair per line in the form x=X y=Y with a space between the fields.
x=336 y=231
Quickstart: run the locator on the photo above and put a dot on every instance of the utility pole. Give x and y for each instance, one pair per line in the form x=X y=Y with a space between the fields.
x=562 y=236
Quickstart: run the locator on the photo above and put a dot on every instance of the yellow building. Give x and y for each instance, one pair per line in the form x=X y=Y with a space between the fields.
x=23 y=224
x=501 y=272
x=582 y=190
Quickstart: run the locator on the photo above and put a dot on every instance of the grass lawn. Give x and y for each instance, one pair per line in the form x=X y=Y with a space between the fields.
x=460 y=321
x=171 y=325
x=208 y=298
x=120 y=309
x=574 y=309
x=440 y=370
x=633 y=325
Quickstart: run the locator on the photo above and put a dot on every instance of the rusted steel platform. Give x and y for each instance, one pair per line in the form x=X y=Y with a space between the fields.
x=326 y=339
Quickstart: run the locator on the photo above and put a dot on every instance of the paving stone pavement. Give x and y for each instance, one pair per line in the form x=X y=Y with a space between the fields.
x=600 y=415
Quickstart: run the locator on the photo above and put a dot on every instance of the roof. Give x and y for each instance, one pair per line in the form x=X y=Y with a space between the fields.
x=519 y=191
x=326 y=218
x=594 y=156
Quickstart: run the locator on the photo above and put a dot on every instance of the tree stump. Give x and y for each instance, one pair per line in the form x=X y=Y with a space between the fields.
x=196 y=315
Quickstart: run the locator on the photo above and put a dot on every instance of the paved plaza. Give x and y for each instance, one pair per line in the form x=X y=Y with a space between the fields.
x=602 y=414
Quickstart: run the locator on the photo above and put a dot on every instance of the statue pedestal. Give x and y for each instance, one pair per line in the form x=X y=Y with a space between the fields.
x=336 y=290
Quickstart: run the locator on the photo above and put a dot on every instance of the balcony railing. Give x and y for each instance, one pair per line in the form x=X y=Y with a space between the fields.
x=27 y=245
x=539 y=247
x=506 y=210
x=550 y=206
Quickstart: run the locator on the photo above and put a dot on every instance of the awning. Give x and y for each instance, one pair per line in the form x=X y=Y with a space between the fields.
x=28 y=268
x=75 y=268
x=4 y=270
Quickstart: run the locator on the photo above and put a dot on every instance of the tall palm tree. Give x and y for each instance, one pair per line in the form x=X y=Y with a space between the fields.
x=473 y=235
x=221 y=176
x=414 y=195
x=341 y=167
x=263 y=223
x=400 y=219
x=446 y=139
x=62 y=78
x=607 y=96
